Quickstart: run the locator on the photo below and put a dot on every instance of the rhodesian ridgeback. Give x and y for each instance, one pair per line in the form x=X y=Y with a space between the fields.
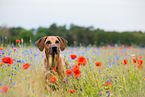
x=52 y=45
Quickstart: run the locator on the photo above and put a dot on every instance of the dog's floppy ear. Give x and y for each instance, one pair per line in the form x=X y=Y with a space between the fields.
x=40 y=43
x=63 y=43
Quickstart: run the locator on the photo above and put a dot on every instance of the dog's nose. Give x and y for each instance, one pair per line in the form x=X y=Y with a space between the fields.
x=54 y=48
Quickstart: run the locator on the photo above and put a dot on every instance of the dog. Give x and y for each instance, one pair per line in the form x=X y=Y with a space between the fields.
x=52 y=46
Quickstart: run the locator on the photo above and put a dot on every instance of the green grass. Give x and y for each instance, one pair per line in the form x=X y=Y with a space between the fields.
x=127 y=80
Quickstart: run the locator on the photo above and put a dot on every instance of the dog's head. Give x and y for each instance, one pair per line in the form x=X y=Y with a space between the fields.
x=53 y=44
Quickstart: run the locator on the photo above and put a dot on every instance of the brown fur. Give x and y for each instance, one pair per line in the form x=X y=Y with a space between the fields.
x=52 y=61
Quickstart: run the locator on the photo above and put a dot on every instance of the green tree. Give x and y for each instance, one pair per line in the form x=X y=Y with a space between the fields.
x=26 y=35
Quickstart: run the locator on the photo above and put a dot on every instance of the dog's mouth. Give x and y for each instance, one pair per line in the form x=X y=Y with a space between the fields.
x=53 y=50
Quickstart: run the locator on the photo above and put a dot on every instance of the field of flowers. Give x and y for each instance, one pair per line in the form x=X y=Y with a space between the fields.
x=99 y=71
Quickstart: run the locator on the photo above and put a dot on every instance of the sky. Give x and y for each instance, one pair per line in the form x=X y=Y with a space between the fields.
x=110 y=15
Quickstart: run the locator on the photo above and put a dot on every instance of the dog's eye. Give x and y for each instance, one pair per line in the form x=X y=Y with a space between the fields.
x=48 y=42
x=57 y=42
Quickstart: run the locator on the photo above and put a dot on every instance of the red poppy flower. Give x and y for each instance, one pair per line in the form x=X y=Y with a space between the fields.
x=32 y=82
x=129 y=47
x=84 y=62
x=1 y=48
x=53 y=79
x=109 y=46
x=68 y=72
x=140 y=62
x=98 y=64
x=140 y=57
x=123 y=46
x=77 y=72
x=134 y=60
x=8 y=60
x=75 y=67
x=14 y=50
x=25 y=66
x=54 y=69
x=125 y=61
x=81 y=60
x=4 y=89
x=119 y=48
x=17 y=40
x=2 y=63
x=140 y=66
x=72 y=91
x=108 y=84
x=133 y=57
x=108 y=53
x=73 y=56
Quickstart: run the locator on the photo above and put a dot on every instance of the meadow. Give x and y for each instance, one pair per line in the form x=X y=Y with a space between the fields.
x=120 y=72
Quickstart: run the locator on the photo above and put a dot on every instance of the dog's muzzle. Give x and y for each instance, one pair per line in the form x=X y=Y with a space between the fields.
x=53 y=50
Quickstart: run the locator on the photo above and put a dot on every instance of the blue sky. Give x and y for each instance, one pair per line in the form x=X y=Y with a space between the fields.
x=118 y=15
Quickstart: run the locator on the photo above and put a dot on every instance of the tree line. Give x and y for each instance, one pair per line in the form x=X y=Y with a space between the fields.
x=76 y=35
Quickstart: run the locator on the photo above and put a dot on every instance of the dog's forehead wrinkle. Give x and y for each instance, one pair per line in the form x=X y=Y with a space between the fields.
x=52 y=39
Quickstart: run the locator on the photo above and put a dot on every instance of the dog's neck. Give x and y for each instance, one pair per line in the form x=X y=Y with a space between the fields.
x=52 y=60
